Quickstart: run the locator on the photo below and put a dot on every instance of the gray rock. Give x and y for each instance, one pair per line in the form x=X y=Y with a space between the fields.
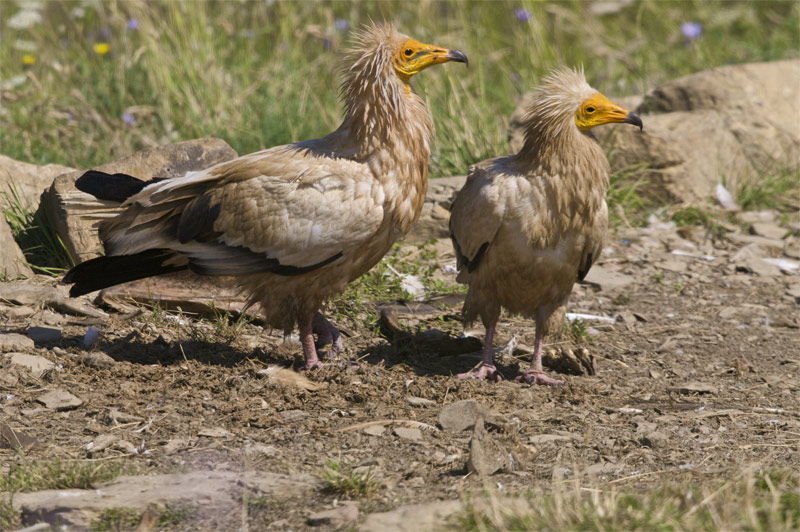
x=759 y=266
x=36 y=365
x=608 y=277
x=28 y=181
x=406 y=433
x=375 y=430
x=694 y=388
x=28 y=294
x=435 y=216
x=43 y=335
x=98 y=359
x=724 y=121
x=413 y=518
x=791 y=247
x=101 y=443
x=462 y=415
x=219 y=491
x=64 y=205
x=654 y=439
x=15 y=439
x=13 y=263
x=768 y=230
x=15 y=342
x=59 y=400
x=342 y=515
x=420 y=401
x=486 y=456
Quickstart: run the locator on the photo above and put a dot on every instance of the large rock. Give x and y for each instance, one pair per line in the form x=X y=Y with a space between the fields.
x=12 y=261
x=435 y=215
x=61 y=203
x=729 y=121
x=27 y=180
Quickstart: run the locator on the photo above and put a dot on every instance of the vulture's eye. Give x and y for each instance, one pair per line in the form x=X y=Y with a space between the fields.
x=409 y=52
x=590 y=110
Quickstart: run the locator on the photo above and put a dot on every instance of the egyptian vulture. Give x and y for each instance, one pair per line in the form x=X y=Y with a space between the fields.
x=294 y=223
x=525 y=227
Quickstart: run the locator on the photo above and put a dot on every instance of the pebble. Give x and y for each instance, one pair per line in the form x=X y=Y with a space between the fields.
x=36 y=365
x=59 y=400
x=98 y=359
x=486 y=456
x=420 y=401
x=15 y=342
x=412 y=434
x=336 y=517
x=462 y=415
x=42 y=335
x=375 y=430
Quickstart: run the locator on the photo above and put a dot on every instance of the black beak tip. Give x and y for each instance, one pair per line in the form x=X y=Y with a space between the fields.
x=634 y=119
x=458 y=56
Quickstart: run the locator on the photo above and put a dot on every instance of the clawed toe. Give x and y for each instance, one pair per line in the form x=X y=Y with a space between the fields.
x=537 y=377
x=482 y=372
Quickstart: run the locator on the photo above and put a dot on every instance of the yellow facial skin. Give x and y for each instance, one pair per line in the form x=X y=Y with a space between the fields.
x=413 y=57
x=599 y=110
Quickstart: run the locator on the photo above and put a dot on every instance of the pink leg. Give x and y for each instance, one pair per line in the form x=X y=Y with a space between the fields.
x=486 y=369
x=534 y=374
x=326 y=334
x=309 y=351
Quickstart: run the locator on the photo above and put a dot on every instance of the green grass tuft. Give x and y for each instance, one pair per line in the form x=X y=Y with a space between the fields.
x=57 y=474
x=766 y=502
x=348 y=483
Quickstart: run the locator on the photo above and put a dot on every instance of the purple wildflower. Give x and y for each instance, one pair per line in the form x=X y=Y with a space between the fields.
x=133 y=24
x=692 y=30
x=341 y=24
x=128 y=118
x=522 y=14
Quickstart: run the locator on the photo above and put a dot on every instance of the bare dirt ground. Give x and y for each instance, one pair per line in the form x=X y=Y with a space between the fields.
x=698 y=377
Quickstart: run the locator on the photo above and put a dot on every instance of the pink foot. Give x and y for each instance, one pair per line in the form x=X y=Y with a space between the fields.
x=482 y=372
x=537 y=377
x=327 y=334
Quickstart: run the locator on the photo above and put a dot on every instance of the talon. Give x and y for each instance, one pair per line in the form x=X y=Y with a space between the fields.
x=482 y=372
x=538 y=377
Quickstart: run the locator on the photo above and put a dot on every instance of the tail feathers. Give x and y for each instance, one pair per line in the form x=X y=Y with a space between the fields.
x=103 y=272
x=111 y=187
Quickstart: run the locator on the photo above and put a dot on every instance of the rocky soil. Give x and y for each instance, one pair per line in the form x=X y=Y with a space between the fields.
x=691 y=370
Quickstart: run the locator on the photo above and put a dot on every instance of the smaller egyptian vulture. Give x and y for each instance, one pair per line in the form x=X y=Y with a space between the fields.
x=293 y=223
x=525 y=227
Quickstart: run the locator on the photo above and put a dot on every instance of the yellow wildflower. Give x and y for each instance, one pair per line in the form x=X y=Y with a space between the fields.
x=101 y=48
x=28 y=59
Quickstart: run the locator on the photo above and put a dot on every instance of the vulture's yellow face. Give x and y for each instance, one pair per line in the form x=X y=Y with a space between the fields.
x=598 y=110
x=413 y=56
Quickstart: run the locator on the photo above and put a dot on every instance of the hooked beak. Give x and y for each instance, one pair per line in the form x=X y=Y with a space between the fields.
x=435 y=55
x=633 y=118
x=457 y=56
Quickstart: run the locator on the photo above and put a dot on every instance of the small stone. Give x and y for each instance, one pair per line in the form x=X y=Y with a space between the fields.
x=694 y=387
x=677 y=266
x=293 y=415
x=794 y=291
x=462 y=415
x=420 y=401
x=375 y=430
x=98 y=359
x=16 y=440
x=654 y=439
x=43 y=335
x=91 y=337
x=791 y=247
x=412 y=434
x=768 y=230
x=15 y=342
x=759 y=266
x=125 y=446
x=728 y=313
x=59 y=400
x=336 y=517
x=36 y=365
x=101 y=442
x=214 y=432
x=260 y=449
x=20 y=312
x=486 y=456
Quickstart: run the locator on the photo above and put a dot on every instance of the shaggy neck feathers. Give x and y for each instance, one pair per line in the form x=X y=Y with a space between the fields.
x=381 y=112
